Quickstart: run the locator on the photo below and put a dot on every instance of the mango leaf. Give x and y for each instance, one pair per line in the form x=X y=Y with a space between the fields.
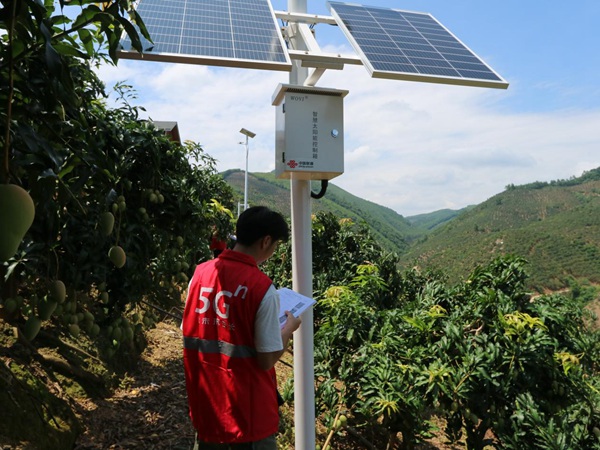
x=113 y=43
x=137 y=19
x=68 y=50
x=60 y=20
x=132 y=33
x=66 y=170
x=38 y=9
x=88 y=15
x=416 y=322
x=53 y=60
x=17 y=47
x=38 y=147
x=87 y=39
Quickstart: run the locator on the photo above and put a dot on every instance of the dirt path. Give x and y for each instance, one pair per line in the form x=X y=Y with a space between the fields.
x=149 y=410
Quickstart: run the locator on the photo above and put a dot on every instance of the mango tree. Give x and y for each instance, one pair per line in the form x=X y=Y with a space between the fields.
x=495 y=364
x=404 y=355
x=121 y=213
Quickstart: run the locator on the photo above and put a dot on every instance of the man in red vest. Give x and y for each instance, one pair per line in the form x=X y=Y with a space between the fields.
x=232 y=340
x=217 y=245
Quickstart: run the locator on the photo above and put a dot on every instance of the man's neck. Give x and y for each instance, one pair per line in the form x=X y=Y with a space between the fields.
x=252 y=250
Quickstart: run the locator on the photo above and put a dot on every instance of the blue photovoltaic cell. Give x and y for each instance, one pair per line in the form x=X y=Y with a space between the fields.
x=239 y=33
x=412 y=46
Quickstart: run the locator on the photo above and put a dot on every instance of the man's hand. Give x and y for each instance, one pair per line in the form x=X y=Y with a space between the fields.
x=291 y=324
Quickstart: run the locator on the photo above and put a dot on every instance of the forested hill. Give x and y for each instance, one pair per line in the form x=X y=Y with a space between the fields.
x=555 y=226
x=391 y=229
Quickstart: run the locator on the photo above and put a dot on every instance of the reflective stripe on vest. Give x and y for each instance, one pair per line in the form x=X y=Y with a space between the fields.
x=224 y=348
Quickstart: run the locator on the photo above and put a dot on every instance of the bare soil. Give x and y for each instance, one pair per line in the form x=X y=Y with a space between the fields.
x=149 y=409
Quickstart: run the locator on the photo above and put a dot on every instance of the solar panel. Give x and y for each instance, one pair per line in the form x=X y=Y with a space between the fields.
x=411 y=46
x=233 y=33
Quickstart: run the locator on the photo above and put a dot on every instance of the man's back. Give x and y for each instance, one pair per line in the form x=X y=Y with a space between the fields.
x=232 y=338
x=219 y=352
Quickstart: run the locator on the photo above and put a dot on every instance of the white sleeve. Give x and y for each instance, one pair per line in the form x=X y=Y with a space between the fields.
x=267 y=333
x=187 y=295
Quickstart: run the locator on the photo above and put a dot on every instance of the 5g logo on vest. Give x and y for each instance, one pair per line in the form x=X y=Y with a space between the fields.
x=219 y=304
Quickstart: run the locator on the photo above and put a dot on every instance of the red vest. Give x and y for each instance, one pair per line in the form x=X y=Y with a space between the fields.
x=217 y=244
x=231 y=400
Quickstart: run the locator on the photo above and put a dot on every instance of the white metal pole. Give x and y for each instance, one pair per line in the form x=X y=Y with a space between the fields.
x=246 y=179
x=304 y=373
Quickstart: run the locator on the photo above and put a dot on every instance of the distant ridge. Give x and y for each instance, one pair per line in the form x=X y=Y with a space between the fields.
x=430 y=221
x=554 y=225
x=392 y=230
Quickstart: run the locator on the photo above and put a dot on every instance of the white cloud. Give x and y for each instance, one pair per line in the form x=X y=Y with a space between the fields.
x=413 y=147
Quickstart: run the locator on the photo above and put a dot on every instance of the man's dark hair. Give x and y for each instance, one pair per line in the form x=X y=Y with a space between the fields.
x=259 y=221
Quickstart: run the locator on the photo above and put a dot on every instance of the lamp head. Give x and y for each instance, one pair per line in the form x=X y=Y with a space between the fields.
x=248 y=133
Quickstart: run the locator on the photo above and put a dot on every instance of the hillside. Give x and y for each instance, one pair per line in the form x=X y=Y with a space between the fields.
x=430 y=221
x=391 y=229
x=555 y=226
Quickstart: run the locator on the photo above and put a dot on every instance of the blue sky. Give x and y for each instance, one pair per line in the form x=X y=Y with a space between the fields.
x=417 y=147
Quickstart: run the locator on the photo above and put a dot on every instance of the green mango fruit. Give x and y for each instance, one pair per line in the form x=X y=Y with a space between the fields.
x=128 y=334
x=106 y=223
x=16 y=216
x=32 y=328
x=11 y=305
x=117 y=256
x=46 y=307
x=117 y=334
x=58 y=291
x=74 y=330
x=95 y=330
x=86 y=326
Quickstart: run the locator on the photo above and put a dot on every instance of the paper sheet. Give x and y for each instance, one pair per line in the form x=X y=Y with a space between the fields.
x=293 y=302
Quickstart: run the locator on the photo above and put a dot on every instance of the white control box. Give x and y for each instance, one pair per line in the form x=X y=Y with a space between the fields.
x=309 y=134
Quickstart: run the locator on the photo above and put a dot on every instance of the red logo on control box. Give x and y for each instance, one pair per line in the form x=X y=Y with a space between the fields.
x=292 y=164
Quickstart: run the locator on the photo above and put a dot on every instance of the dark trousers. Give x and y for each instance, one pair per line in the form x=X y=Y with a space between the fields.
x=268 y=443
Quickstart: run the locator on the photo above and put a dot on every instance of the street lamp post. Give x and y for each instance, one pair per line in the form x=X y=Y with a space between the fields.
x=248 y=134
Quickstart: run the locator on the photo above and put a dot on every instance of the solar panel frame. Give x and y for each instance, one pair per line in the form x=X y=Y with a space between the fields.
x=413 y=46
x=228 y=33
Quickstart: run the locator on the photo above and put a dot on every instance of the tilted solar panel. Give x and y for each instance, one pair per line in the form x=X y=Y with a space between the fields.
x=234 y=33
x=411 y=46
